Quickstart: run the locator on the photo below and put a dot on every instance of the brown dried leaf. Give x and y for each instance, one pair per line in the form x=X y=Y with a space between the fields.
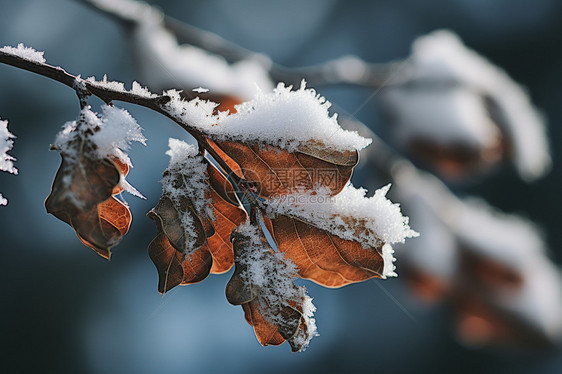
x=323 y=257
x=212 y=250
x=169 y=217
x=174 y=268
x=233 y=165
x=82 y=196
x=167 y=261
x=266 y=333
x=277 y=172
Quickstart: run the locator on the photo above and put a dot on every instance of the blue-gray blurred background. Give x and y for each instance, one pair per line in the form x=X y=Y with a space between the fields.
x=65 y=309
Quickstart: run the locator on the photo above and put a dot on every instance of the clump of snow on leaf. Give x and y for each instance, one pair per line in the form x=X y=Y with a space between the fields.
x=185 y=178
x=117 y=131
x=111 y=134
x=274 y=275
x=284 y=118
x=27 y=53
x=381 y=222
x=289 y=118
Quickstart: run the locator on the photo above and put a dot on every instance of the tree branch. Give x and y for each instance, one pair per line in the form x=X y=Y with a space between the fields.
x=106 y=93
x=348 y=70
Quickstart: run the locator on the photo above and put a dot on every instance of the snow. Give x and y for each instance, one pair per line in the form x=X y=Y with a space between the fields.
x=200 y=90
x=196 y=113
x=450 y=225
x=436 y=251
x=132 y=10
x=118 y=129
x=112 y=134
x=186 y=163
x=284 y=118
x=185 y=179
x=274 y=276
x=139 y=90
x=349 y=68
x=447 y=116
x=442 y=65
x=136 y=88
x=388 y=260
x=509 y=239
x=27 y=53
x=80 y=84
x=106 y=83
x=6 y=144
x=518 y=244
x=381 y=222
x=288 y=118
x=3 y=201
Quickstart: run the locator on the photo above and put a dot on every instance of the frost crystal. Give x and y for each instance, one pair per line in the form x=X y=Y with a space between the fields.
x=136 y=89
x=139 y=90
x=274 y=275
x=27 y=53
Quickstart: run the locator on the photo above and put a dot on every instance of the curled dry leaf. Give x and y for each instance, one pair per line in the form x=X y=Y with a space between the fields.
x=263 y=285
x=82 y=195
x=188 y=256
